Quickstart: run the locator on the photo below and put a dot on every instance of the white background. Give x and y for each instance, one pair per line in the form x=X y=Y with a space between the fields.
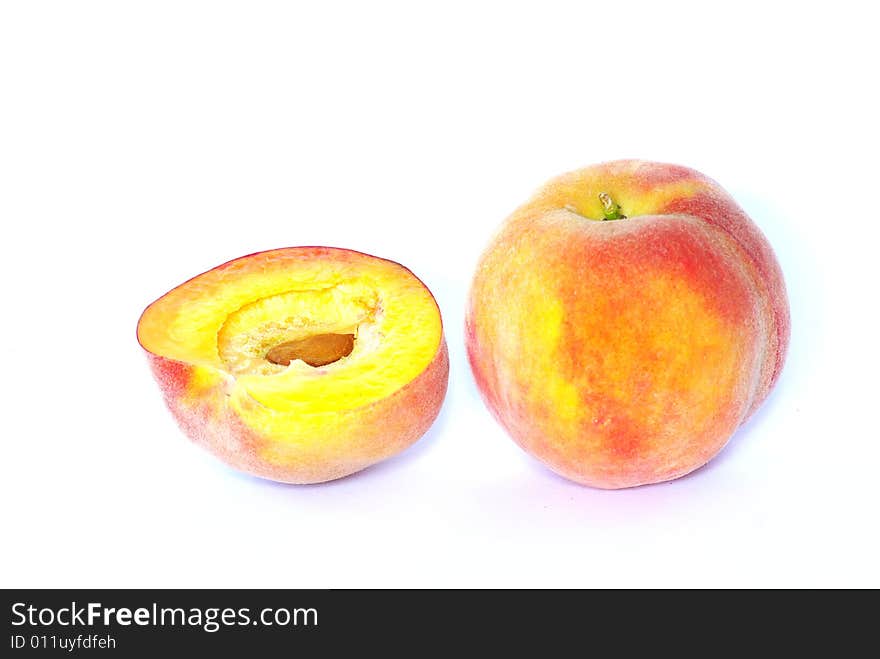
x=142 y=143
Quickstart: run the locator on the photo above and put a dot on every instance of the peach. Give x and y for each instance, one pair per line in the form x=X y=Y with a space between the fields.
x=625 y=322
x=302 y=364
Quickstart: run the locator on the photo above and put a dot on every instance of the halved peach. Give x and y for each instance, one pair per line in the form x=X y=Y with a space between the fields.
x=302 y=364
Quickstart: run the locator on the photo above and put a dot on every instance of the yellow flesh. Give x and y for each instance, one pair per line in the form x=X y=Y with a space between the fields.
x=225 y=321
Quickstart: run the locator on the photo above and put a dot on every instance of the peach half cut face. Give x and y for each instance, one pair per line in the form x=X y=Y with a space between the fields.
x=302 y=364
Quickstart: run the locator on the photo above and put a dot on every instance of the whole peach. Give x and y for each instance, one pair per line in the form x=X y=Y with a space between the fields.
x=625 y=322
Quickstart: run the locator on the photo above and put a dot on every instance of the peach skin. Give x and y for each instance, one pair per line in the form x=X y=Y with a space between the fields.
x=302 y=364
x=625 y=321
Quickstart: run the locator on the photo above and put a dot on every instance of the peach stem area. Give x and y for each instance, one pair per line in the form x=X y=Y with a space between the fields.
x=610 y=208
x=315 y=350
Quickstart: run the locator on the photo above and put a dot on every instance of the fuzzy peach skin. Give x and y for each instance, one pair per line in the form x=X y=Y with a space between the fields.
x=206 y=342
x=622 y=352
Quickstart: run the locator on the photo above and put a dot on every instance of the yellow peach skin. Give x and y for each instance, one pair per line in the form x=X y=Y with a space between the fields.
x=625 y=322
x=302 y=364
